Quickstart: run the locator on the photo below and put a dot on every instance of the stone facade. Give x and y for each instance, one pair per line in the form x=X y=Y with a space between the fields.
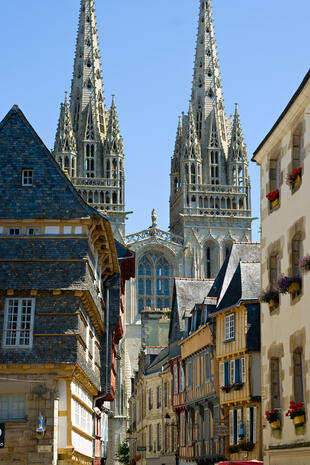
x=285 y=240
x=60 y=297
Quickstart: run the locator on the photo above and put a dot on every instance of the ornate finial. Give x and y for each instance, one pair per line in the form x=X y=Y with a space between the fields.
x=154 y=218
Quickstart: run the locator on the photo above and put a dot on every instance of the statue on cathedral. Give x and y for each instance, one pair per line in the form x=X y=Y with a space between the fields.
x=154 y=218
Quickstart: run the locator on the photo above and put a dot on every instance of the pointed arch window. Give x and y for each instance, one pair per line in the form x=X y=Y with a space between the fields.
x=90 y=160
x=214 y=142
x=154 y=282
x=211 y=259
x=214 y=167
x=193 y=174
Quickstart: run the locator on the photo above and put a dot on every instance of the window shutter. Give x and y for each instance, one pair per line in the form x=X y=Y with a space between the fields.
x=272 y=175
x=239 y=421
x=226 y=380
x=254 y=425
x=275 y=383
x=221 y=374
x=248 y=424
x=231 y=427
x=231 y=371
x=237 y=370
x=243 y=369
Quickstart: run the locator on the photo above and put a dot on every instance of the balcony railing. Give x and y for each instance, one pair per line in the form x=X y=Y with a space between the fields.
x=217 y=188
x=217 y=212
x=100 y=182
x=153 y=232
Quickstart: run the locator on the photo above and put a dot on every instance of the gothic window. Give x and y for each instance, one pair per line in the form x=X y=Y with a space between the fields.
x=114 y=168
x=107 y=197
x=193 y=174
x=114 y=198
x=226 y=248
x=101 y=197
x=211 y=259
x=214 y=142
x=214 y=167
x=90 y=161
x=73 y=168
x=154 y=282
x=108 y=173
x=67 y=164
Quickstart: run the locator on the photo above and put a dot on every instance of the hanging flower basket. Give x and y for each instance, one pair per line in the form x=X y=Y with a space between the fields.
x=305 y=264
x=271 y=297
x=294 y=178
x=226 y=388
x=272 y=417
x=233 y=449
x=297 y=413
x=273 y=198
x=237 y=386
x=289 y=284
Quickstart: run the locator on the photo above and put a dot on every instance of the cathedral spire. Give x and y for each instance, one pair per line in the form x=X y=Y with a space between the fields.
x=207 y=95
x=87 y=85
x=65 y=145
x=237 y=154
x=113 y=143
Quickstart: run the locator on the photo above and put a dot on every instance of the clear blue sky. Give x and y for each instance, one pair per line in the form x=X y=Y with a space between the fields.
x=147 y=50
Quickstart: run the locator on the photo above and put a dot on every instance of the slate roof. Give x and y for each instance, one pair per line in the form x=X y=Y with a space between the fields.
x=239 y=278
x=189 y=292
x=158 y=362
x=52 y=194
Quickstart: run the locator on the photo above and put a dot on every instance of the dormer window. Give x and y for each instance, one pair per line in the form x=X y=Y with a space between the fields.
x=14 y=231
x=27 y=177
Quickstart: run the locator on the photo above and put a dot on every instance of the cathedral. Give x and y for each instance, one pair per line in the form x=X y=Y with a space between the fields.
x=210 y=193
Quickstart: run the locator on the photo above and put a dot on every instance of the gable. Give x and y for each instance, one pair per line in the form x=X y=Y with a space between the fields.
x=52 y=195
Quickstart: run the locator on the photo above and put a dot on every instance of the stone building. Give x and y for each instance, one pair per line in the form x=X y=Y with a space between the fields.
x=60 y=299
x=285 y=154
x=210 y=193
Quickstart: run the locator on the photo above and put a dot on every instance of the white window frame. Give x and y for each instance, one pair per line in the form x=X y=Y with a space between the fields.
x=16 y=231
x=81 y=417
x=27 y=177
x=182 y=378
x=19 y=330
x=230 y=327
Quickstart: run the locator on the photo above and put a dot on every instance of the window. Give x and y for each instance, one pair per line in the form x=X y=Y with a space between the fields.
x=167 y=438
x=275 y=381
x=150 y=399
x=189 y=429
x=208 y=367
x=14 y=231
x=298 y=376
x=158 y=436
x=251 y=424
x=31 y=231
x=211 y=251
x=296 y=254
x=12 y=407
x=214 y=167
x=18 y=322
x=150 y=438
x=274 y=174
x=154 y=282
x=189 y=374
x=166 y=394
x=207 y=424
x=297 y=153
x=274 y=269
x=158 y=392
x=27 y=177
x=182 y=380
x=235 y=425
x=233 y=371
x=81 y=417
x=175 y=379
x=230 y=327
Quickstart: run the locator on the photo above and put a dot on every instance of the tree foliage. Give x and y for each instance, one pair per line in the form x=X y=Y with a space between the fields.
x=123 y=453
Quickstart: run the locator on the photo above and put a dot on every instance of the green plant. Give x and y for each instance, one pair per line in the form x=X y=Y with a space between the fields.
x=122 y=454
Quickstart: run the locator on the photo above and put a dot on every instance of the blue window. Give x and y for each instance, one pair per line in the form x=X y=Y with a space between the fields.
x=226 y=374
x=237 y=371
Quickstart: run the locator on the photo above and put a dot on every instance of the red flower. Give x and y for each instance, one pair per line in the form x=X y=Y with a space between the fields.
x=273 y=195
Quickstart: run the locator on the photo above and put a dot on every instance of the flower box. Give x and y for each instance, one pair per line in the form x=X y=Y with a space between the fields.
x=299 y=420
x=294 y=178
x=297 y=413
x=226 y=388
x=273 y=198
x=247 y=446
x=275 y=424
x=289 y=284
x=305 y=264
x=237 y=386
x=271 y=297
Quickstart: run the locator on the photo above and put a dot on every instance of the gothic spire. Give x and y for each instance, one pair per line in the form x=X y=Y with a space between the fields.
x=113 y=143
x=207 y=95
x=192 y=146
x=65 y=145
x=87 y=85
x=237 y=149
